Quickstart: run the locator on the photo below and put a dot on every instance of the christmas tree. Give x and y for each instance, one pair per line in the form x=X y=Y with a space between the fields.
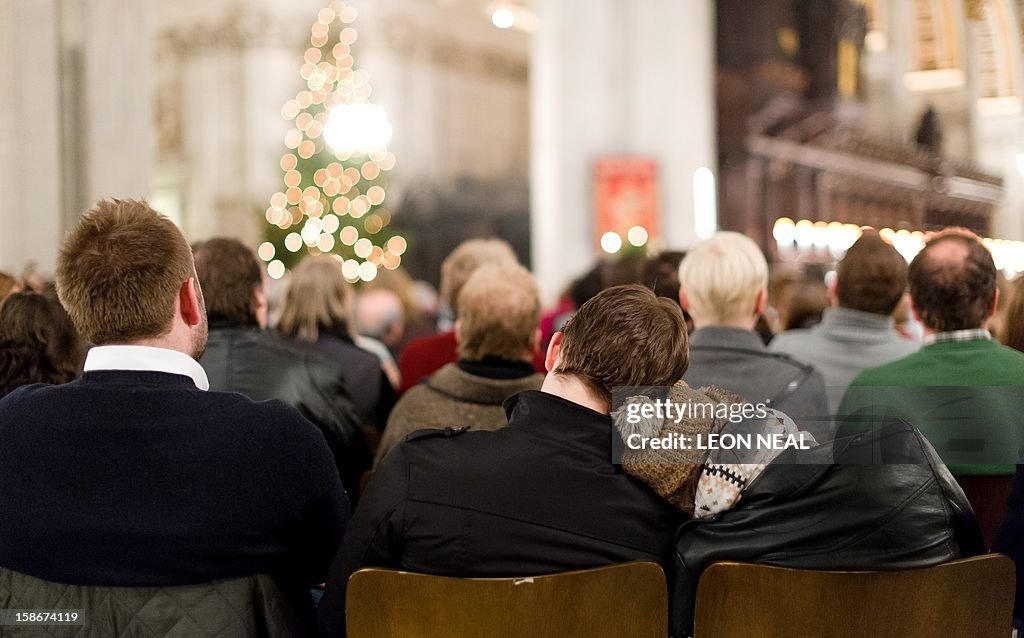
x=334 y=169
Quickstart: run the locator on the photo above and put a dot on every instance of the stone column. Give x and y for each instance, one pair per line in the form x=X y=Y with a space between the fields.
x=30 y=167
x=118 y=51
x=607 y=78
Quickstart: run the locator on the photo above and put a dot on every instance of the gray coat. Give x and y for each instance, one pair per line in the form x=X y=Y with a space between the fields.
x=845 y=343
x=737 y=360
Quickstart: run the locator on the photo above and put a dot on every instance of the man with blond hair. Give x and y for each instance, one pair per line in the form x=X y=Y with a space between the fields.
x=724 y=287
x=135 y=474
x=540 y=495
x=422 y=357
x=497 y=333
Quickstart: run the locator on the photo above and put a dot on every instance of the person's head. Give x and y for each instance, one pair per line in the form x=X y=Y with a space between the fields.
x=380 y=315
x=38 y=343
x=499 y=311
x=624 y=336
x=1013 y=320
x=872 y=277
x=467 y=257
x=953 y=282
x=661 y=274
x=232 y=281
x=807 y=302
x=723 y=281
x=399 y=282
x=125 y=275
x=8 y=286
x=319 y=298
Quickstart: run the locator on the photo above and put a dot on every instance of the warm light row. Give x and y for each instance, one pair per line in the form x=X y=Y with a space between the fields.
x=835 y=238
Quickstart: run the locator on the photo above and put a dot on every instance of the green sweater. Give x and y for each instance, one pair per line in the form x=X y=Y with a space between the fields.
x=966 y=397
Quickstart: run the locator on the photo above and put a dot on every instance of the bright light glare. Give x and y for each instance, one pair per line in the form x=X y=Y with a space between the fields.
x=637 y=236
x=503 y=18
x=357 y=128
x=705 y=204
x=275 y=269
x=611 y=242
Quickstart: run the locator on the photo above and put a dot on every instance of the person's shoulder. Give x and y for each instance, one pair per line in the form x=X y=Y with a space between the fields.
x=427 y=343
x=795 y=340
x=31 y=396
x=896 y=372
x=431 y=445
x=267 y=418
x=785 y=361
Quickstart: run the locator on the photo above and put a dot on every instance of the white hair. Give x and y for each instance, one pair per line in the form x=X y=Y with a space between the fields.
x=722 y=276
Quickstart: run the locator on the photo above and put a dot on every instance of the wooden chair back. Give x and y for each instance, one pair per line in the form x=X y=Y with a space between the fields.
x=627 y=600
x=970 y=597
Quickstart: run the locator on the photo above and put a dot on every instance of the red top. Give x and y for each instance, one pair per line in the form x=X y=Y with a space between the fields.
x=423 y=357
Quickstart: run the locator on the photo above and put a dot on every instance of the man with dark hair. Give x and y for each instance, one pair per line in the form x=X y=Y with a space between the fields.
x=857 y=332
x=242 y=357
x=540 y=495
x=134 y=475
x=961 y=389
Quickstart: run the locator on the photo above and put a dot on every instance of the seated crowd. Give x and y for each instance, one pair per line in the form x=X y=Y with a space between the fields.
x=164 y=422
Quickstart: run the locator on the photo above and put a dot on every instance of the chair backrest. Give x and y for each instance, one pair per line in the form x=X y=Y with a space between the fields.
x=622 y=600
x=970 y=597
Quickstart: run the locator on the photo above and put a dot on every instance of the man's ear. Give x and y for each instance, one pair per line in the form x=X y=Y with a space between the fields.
x=761 y=302
x=554 y=354
x=260 y=297
x=994 y=306
x=188 y=302
x=458 y=330
x=684 y=301
x=913 y=310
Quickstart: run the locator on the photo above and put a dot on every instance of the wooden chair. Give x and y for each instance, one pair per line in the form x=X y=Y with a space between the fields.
x=970 y=597
x=623 y=600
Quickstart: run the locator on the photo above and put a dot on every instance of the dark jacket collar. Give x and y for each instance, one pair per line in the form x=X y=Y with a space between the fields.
x=724 y=337
x=552 y=417
x=491 y=367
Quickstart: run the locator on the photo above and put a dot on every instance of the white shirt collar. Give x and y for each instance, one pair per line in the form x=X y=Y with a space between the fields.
x=145 y=358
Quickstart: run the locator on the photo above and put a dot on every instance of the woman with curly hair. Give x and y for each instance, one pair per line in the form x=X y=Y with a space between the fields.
x=38 y=343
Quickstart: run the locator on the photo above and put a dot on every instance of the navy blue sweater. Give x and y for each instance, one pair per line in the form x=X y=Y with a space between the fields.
x=140 y=479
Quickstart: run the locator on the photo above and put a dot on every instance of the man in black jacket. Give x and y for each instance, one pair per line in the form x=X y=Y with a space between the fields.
x=135 y=475
x=242 y=357
x=540 y=495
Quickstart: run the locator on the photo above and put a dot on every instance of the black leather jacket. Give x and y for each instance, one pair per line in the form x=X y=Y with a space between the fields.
x=261 y=366
x=888 y=502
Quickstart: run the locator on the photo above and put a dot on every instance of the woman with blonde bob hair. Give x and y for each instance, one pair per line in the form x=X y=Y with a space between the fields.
x=317 y=314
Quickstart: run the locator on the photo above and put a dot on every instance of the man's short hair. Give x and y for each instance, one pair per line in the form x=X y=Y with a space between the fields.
x=120 y=270
x=953 y=289
x=467 y=257
x=872 y=277
x=625 y=336
x=499 y=313
x=230 y=275
x=722 y=277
